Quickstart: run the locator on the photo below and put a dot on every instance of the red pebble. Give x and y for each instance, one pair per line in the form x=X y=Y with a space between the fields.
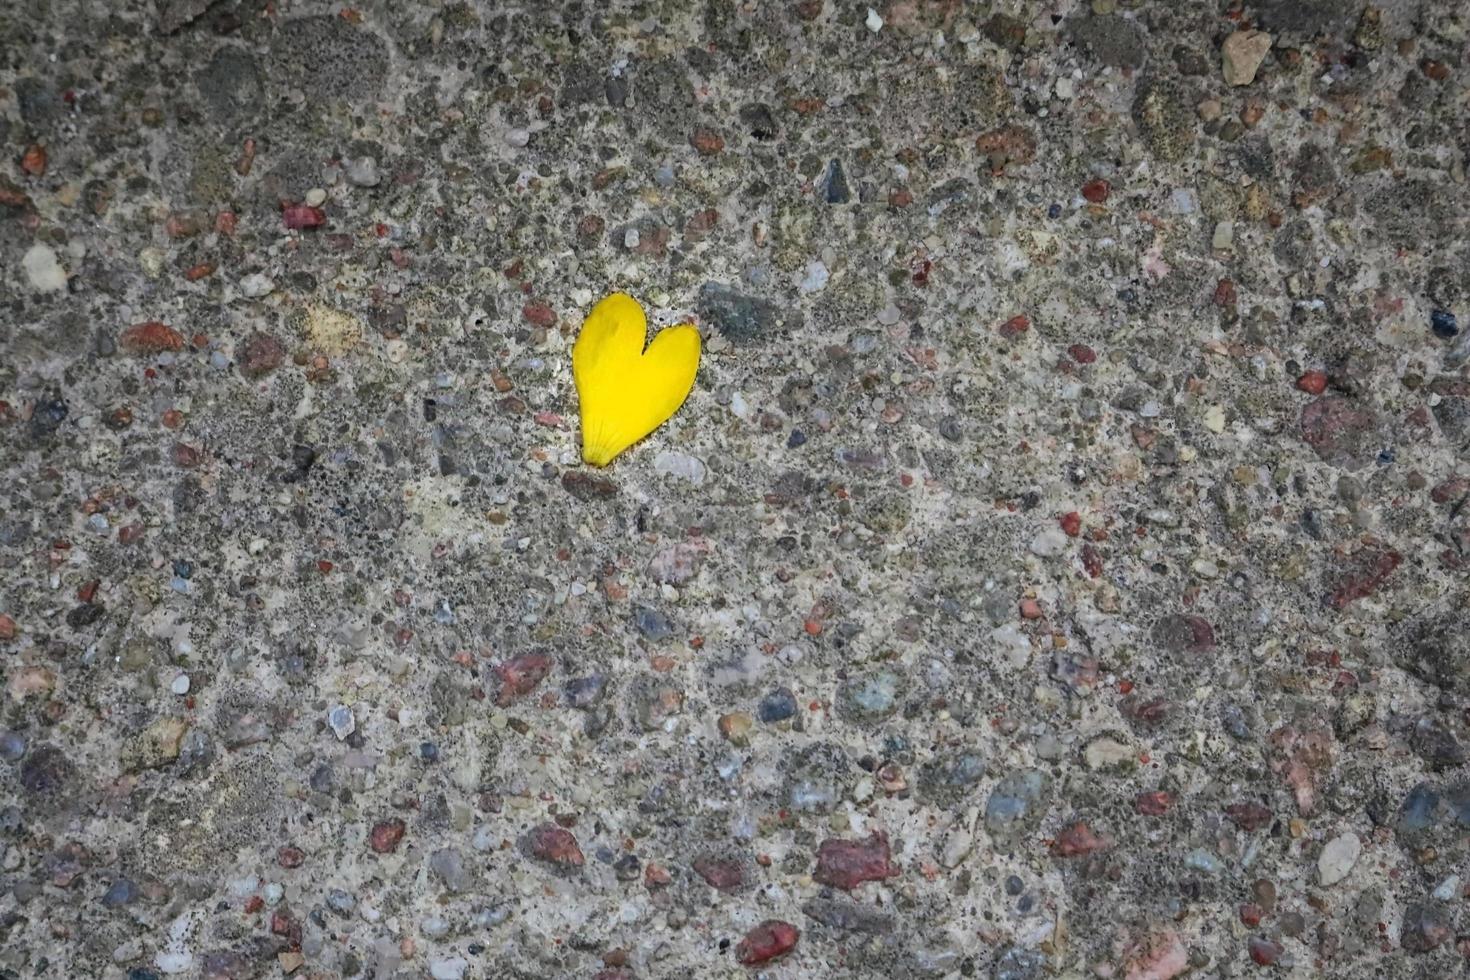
x=539 y=314
x=706 y=142
x=1082 y=354
x=723 y=874
x=34 y=160
x=1015 y=326
x=1154 y=804
x=1362 y=575
x=1225 y=292
x=290 y=857
x=1313 y=382
x=1071 y=523
x=186 y=457
x=1451 y=489
x=7 y=627
x=1078 y=840
x=1248 y=816
x=766 y=942
x=152 y=337
x=298 y=216
x=848 y=863
x=1250 y=914
x=520 y=675
x=1030 y=609
x=1264 y=951
x=386 y=835
x=1096 y=191
x=553 y=844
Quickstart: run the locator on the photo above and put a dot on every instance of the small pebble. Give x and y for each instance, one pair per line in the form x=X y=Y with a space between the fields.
x=1444 y=325
x=342 y=721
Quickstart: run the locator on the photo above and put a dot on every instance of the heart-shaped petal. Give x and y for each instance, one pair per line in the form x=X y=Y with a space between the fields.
x=625 y=392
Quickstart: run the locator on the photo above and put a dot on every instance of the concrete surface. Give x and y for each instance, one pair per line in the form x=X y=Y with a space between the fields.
x=1059 y=569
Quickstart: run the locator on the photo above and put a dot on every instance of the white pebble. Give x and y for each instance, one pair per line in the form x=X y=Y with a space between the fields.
x=315 y=197
x=450 y=968
x=1049 y=543
x=816 y=277
x=172 y=963
x=1338 y=857
x=256 y=285
x=517 y=137
x=180 y=685
x=42 y=269
x=680 y=465
x=874 y=21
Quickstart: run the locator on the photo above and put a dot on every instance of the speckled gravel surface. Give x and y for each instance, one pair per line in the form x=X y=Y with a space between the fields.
x=1059 y=569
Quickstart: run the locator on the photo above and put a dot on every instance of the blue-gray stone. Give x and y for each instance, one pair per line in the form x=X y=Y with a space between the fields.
x=779 y=705
x=872 y=697
x=121 y=892
x=1417 y=813
x=12 y=746
x=652 y=623
x=1015 y=802
x=585 y=692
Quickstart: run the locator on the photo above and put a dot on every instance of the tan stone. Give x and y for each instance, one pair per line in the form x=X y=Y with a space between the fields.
x=1242 y=53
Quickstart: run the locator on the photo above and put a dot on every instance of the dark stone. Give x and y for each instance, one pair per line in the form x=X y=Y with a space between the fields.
x=47 y=417
x=584 y=486
x=329 y=57
x=951 y=779
x=231 y=84
x=845 y=915
x=1018 y=963
x=39 y=102
x=1425 y=927
x=759 y=122
x=84 y=615
x=1115 y=41
x=742 y=319
x=1439 y=741
x=176 y=14
x=1418 y=810
x=779 y=705
x=1310 y=17
x=1438 y=651
x=837 y=189
x=47 y=775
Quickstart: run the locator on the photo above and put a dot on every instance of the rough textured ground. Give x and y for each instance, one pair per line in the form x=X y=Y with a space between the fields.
x=1060 y=568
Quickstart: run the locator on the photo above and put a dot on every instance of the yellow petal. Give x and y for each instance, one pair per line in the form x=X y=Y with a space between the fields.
x=624 y=391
